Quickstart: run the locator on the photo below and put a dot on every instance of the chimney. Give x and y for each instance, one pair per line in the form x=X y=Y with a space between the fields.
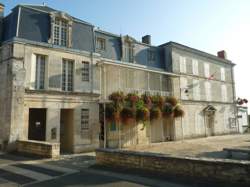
x=1 y=10
x=222 y=54
x=146 y=39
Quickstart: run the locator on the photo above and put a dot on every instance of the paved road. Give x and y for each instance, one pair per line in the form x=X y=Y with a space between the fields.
x=79 y=170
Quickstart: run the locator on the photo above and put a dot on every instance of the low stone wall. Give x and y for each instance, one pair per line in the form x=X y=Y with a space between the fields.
x=38 y=148
x=209 y=169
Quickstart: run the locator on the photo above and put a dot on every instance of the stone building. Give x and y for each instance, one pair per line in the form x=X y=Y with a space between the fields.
x=57 y=70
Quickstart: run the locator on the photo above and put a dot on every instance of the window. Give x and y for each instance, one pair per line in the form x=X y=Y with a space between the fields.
x=184 y=88
x=208 y=90
x=40 y=71
x=67 y=75
x=183 y=66
x=206 y=70
x=85 y=71
x=222 y=73
x=100 y=44
x=224 y=93
x=84 y=119
x=129 y=52
x=196 y=89
x=195 y=67
x=60 y=32
x=151 y=55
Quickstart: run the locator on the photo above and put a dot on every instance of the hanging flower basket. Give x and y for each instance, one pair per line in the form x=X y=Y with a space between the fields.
x=142 y=114
x=132 y=98
x=168 y=110
x=172 y=100
x=155 y=113
x=147 y=100
x=111 y=114
x=127 y=114
x=158 y=101
x=178 y=112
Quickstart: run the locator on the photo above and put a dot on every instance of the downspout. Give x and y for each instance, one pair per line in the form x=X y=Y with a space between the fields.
x=234 y=100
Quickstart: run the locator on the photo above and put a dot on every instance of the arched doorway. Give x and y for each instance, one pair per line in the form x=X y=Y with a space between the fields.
x=209 y=115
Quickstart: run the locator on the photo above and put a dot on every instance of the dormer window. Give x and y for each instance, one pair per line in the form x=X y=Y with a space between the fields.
x=151 y=55
x=100 y=44
x=61 y=29
x=60 y=32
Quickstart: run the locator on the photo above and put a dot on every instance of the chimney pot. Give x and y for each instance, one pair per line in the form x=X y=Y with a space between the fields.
x=222 y=54
x=146 y=39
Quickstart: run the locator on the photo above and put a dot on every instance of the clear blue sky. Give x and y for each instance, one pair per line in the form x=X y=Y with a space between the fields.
x=208 y=25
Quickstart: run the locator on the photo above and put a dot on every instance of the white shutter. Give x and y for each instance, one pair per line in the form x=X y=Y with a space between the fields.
x=195 y=67
x=206 y=70
x=208 y=90
x=33 y=72
x=224 y=93
x=222 y=71
x=196 y=89
x=183 y=84
x=183 y=67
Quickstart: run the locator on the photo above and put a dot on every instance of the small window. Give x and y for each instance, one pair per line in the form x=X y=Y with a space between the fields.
x=100 y=44
x=195 y=67
x=67 y=75
x=206 y=70
x=151 y=55
x=84 y=119
x=85 y=71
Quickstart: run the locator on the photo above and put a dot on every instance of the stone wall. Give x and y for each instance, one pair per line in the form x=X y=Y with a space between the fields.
x=208 y=169
x=37 y=148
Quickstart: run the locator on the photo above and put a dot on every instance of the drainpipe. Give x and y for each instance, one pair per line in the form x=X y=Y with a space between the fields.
x=234 y=100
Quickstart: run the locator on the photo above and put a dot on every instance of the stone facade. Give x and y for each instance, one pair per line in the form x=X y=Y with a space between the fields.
x=216 y=170
x=55 y=76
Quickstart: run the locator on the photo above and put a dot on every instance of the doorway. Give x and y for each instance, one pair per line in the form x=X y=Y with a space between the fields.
x=66 y=130
x=209 y=112
x=37 y=124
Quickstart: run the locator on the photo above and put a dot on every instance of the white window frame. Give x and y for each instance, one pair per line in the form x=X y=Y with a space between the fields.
x=208 y=91
x=60 y=33
x=195 y=67
x=67 y=85
x=40 y=67
x=222 y=73
x=85 y=70
x=224 y=93
x=206 y=70
x=84 y=119
x=183 y=64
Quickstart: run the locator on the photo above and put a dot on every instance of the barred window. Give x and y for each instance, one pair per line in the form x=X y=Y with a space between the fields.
x=84 y=119
x=40 y=71
x=67 y=75
x=85 y=71
x=60 y=32
x=100 y=43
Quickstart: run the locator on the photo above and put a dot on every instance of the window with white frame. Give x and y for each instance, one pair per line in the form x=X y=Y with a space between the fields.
x=84 y=119
x=40 y=71
x=151 y=55
x=208 y=90
x=222 y=73
x=224 y=93
x=196 y=89
x=129 y=52
x=195 y=67
x=85 y=71
x=183 y=65
x=67 y=75
x=100 y=43
x=60 y=34
x=206 y=70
